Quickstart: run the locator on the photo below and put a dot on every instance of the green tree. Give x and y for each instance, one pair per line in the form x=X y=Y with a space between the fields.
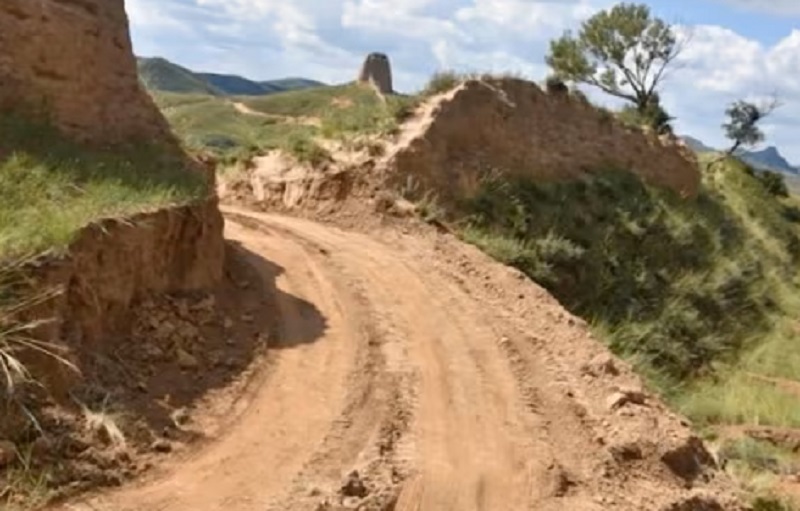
x=743 y=118
x=742 y=126
x=624 y=51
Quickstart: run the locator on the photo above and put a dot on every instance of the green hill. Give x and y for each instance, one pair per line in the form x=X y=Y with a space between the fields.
x=161 y=75
x=289 y=120
x=232 y=85
x=290 y=84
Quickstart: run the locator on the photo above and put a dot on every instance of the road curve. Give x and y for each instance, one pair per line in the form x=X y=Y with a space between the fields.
x=444 y=385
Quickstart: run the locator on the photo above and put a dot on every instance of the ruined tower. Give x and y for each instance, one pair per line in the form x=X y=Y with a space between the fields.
x=378 y=71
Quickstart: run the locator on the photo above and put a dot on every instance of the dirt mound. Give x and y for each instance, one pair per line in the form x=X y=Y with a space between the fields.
x=454 y=141
x=513 y=127
x=74 y=58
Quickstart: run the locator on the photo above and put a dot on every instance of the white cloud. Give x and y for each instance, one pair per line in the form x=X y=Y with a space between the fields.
x=327 y=39
x=720 y=66
x=536 y=19
x=769 y=6
x=151 y=14
x=403 y=18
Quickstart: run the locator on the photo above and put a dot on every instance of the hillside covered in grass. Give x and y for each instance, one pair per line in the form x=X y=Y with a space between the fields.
x=52 y=187
x=700 y=294
x=160 y=75
x=241 y=127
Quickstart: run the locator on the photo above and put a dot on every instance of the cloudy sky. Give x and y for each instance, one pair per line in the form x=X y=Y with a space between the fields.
x=738 y=48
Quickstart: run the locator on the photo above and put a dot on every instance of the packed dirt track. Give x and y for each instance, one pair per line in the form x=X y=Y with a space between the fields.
x=412 y=373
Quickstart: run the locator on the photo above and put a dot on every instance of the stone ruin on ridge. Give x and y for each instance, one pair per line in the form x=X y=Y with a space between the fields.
x=377 y=71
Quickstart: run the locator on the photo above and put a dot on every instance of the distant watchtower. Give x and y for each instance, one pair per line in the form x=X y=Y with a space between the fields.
x=378 y=71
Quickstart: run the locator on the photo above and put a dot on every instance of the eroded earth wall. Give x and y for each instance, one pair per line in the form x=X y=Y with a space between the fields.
x=72 y=60
x=513 y=126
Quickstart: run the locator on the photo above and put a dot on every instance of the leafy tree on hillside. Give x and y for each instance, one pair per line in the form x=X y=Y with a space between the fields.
x=743 y=118
x=742 y=127
x=624 y=51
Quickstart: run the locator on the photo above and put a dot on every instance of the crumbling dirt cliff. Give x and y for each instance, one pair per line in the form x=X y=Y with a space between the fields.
x=72 y=61
x=114 y=262
x=514 y=127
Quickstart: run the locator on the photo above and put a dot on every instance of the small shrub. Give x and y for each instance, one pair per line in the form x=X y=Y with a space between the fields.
x=219 y=142
x=792 y=214
x=755 y=454
x=772 y=503
x=401 y=108
x=442 y=81
x=774 y=183
x=556 y=85
x=654 y=117
x=306 y=150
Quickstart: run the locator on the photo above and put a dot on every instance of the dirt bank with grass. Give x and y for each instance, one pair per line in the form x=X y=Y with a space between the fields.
x=513 y=127
x=69 y=321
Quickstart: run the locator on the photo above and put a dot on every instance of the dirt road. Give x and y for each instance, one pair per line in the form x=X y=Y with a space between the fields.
x=446 y=381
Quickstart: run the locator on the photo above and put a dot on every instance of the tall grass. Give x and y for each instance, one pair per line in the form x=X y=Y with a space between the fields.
x=51 y=187
x=18 y=296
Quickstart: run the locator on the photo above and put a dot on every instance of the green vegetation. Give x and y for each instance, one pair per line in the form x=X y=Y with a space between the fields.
x=700 y=294
x=207 y=123
x=52 y=187
x=287 y=121
x=161 y=75
x=344 y=112
x=623 y=51
x=743 y=125
x=679 y=286
x=442 y=81
x=306 y=150
x=312 y=102
x=653 y=115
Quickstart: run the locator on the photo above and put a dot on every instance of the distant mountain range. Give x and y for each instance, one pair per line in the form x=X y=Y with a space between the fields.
x=158 y=74
x=769 y=158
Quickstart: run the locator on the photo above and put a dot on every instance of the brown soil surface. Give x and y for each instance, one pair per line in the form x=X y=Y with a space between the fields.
x=410 y=372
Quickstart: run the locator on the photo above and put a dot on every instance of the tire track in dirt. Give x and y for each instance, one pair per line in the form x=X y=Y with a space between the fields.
x=291 y=411
x=472 y=441
x=363 y=439
x=446 y=380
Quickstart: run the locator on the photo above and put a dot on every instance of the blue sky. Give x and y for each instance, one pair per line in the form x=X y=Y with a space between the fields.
x=738 y=48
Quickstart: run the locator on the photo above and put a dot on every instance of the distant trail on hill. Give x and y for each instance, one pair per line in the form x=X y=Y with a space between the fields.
x=246 y=110
x=438 y=381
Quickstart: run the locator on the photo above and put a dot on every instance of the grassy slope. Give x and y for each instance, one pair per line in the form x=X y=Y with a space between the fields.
x=343 y=110
x=700 y=294
x=161 y=75
x=51 y=187
x=211 y=123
